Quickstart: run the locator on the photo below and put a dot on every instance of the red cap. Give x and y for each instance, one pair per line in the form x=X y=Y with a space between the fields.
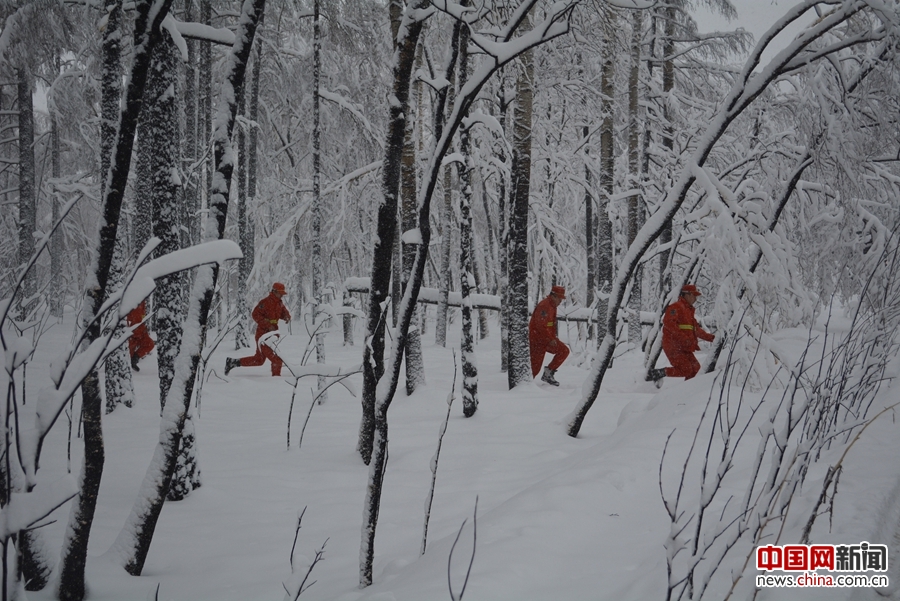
x=690 y=288
x=558 y=291
x=279 y=288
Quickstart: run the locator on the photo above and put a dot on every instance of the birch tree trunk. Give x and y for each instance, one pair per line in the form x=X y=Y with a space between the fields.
x=466 y=260
x=133 y=541
x=74 y=555
x=415 y=366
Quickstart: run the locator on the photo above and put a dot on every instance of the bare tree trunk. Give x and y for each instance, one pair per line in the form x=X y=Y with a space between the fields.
x=519 y=362
x=318 y=266
x=27 y=208
x=119 y=386
x=242 y=311
x=604 y=242
x=634 y=171
x=668 y=140
x=191 y=191
x=74 y=555
x=503 y=218
x=440 y=329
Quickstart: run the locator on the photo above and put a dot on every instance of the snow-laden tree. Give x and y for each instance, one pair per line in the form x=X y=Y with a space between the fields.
x=844 y=27
x=133 y=542
x=380 y=377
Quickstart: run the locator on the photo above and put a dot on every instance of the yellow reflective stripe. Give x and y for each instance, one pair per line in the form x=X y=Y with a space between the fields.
x=684 y=326
x=549 y=324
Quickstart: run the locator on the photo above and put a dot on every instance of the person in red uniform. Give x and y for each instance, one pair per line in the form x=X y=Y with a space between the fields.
x=140 y=344
x=680 y=337
x=266 y=315
x=542 y=336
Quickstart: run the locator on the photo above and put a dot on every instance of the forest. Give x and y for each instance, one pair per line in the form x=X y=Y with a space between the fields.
x=418 y=174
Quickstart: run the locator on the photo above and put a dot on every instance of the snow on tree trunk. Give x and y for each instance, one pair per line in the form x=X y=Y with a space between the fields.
x=133 y=541
x=466 y=277
x=519 y=362
x=318 y=265
x=74 y=555
x=159 y=130
x=27 y=208
x=373 y=354
x=415 y=366
x=119 y=386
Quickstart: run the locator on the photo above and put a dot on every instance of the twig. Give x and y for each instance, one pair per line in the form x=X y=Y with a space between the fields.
x=437 y=454
x=462 y=591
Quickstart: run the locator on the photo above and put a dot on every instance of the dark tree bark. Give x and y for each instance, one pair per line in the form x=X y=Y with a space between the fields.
x=160 y=132
x=119 y=386
x=519 y=362
x=503 y=246
x=191 y=189
x=318 y=266
x=74 y=556
x=373 y=355
x=242 y=311
x=604 y=240
x=27 y=208
x=634 y=172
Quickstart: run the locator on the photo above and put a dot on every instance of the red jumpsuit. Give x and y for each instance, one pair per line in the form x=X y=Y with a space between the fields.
x=140 y=344
x=266 y=315
x=680 y=334
x=541 y=336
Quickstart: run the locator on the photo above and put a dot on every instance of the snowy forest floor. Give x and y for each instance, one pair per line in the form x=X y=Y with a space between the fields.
x=558 y=518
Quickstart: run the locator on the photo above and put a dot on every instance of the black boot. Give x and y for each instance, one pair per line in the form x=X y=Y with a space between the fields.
x=547 y=377
x=134 y=361
x=231 y=364
x=656 y=376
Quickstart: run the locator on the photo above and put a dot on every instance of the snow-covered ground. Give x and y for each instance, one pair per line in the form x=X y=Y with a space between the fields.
x=558 y=518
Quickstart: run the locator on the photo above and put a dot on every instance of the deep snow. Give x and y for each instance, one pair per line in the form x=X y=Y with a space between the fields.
x=558 y=518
